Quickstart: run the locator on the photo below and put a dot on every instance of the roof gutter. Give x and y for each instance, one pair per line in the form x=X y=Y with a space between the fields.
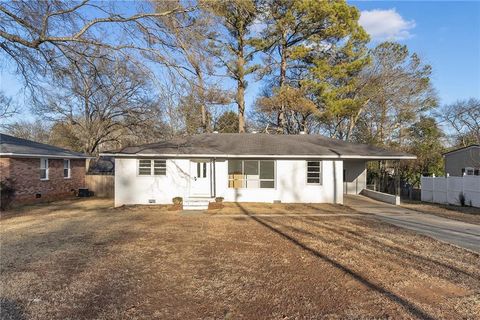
x=269 y=156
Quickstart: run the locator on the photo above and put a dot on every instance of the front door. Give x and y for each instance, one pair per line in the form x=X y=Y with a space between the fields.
x=200 y=178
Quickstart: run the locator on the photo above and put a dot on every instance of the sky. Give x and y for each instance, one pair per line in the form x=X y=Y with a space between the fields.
x=446 y=35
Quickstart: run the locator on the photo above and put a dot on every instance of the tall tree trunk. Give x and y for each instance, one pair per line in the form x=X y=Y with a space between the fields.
x=354 y=120
x=240 y=98
x=203 y=107
x=304 y=124
x=282 y=123
x=241 y=105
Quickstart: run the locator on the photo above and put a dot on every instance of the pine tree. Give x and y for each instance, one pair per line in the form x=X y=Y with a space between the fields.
x=235 y=50
x=309 y=36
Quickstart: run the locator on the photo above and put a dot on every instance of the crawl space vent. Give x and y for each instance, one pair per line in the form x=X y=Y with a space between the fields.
x=151 y=201
x=277 y=201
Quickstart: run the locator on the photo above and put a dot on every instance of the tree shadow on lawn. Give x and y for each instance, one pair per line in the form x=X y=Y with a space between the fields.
x=407 y=305
x=45 y=209
x=11 y=310
x=394 y=251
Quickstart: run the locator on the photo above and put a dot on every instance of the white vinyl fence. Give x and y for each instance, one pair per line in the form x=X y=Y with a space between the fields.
x=449 y=190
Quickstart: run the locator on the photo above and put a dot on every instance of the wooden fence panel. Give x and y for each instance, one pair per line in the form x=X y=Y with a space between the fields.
x=102 y=185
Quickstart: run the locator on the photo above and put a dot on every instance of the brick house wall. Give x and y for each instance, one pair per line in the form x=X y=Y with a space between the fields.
x=24 y=175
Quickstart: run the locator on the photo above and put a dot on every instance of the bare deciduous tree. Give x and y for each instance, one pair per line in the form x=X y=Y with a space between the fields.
x=8 y=108
x=100 y=104
x=41 y=37
x=184 y=35
x=36 y=130
x=397 y=91
x=463 y=117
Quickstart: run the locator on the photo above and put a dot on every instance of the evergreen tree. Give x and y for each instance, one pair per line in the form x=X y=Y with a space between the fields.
x=301 y=34
x=235 y=50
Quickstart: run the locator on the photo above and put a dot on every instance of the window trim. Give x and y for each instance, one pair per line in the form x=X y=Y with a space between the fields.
x=274 y=180
x=320 y=177
x=46 y=168
x=152 y=168
x=471 y=169
x=69 y=168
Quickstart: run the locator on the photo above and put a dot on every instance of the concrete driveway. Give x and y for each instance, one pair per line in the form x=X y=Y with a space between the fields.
x=462 y=234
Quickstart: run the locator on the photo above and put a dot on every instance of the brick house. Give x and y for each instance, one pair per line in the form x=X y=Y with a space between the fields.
x=39 y=172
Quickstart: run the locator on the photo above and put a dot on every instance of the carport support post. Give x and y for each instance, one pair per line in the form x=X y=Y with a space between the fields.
x=397 y=177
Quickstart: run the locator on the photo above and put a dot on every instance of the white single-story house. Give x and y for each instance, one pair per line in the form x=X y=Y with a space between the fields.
x=248 y=167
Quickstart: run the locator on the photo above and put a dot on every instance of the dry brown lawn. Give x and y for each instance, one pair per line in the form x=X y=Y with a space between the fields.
x=465 y=214
x=86 y=260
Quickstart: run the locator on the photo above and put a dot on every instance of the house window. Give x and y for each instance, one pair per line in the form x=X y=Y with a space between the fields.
x=43 y=169
x=314 y=172
x=66 y=168
x=159 y=167
x=152 y=167
x=251 y=174
x=201 y=169
x=468 y=171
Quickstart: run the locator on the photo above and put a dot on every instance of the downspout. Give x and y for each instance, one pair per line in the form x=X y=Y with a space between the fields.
x=214 y=179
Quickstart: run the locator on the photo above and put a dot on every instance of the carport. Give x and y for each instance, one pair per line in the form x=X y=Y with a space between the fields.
x=355 y=177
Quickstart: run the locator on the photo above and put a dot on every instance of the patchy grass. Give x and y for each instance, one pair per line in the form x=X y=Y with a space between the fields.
x=465 y=214
x=84 y=259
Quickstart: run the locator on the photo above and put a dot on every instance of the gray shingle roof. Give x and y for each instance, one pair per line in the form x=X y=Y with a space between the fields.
x=12 y=146
x=462 y=148
x=249 y=144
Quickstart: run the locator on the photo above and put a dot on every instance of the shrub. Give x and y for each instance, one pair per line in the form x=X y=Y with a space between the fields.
x=461 y=198
x=7 y=192
x=177 y=200
x=219 y=199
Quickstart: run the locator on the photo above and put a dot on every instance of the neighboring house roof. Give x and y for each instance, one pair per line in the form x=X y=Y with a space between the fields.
x=463 y=148
x=102 y=166
x=241 y=145
x=17 y=147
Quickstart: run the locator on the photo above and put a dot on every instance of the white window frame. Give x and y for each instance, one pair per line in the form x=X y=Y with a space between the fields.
x=201 y=169
x=42 y=162
x=320 y=173
x=153 y=167
x=69 y=169
x=245 y=181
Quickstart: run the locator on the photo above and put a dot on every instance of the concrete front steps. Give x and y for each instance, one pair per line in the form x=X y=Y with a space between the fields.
x=197 y=203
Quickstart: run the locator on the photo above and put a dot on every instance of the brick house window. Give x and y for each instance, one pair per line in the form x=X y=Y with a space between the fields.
x=43 y=169
x=66 y=168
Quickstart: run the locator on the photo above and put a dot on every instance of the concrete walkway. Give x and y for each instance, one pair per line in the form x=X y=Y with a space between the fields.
x=462 y=234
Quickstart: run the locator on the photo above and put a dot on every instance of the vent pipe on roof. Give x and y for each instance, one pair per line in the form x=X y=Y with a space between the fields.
x=303 y=132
